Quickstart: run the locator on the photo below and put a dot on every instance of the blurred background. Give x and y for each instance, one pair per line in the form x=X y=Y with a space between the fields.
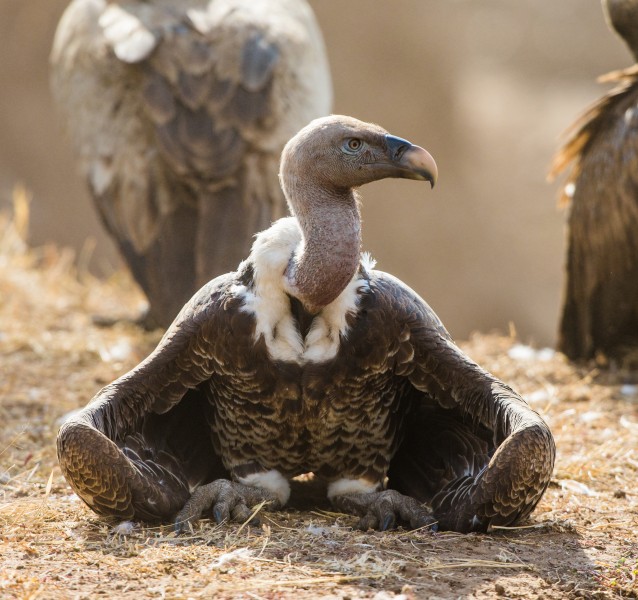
x=486 y=86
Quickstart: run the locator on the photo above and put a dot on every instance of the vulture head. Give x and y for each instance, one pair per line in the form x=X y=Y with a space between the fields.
x=320 y=168
x=622 y=16
x=339 y=153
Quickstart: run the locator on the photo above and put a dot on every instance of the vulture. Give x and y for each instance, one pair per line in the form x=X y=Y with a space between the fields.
x=179 y=112
x=308 y=360
x=600 y=297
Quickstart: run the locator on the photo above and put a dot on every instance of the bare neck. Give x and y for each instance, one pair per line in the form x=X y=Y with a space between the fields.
x=329 y=254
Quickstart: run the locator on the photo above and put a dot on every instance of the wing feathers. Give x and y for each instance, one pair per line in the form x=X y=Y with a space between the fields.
x=258 y=61
x=158 y=98
x=473 y=447
x=144 y=441
x=599 y=307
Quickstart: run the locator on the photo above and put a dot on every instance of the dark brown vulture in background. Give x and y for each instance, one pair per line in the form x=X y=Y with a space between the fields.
x=179 y=111
x=306 y=359
x=600 y=306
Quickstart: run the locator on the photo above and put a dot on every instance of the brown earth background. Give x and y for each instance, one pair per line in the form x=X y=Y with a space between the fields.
x=486 y=86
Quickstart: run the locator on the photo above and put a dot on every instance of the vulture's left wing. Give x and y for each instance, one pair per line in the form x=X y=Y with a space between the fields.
x=472 y=448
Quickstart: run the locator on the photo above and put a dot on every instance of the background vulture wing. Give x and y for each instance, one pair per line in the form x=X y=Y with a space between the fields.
x=600 y=305
x=143 y=443
x=179 y=113
x=472 y=448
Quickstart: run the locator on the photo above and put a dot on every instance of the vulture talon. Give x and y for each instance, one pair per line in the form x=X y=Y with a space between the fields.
x=384 y=510
x=368 y=522
x=389 y=522
x=242 y=514
x=221 y=513
x=229 y=501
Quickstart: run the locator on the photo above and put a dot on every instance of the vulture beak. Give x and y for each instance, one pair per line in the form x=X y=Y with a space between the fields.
x=410 y=161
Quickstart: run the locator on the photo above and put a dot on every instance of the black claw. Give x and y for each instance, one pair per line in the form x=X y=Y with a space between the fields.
x=388 y=522
x=422 y=522
x=181 y=527
x=218 y=513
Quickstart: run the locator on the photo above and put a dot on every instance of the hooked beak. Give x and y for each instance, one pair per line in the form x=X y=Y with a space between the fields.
x=410 y=161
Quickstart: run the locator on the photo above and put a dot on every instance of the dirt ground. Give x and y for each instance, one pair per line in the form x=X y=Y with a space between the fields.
x=581 y=542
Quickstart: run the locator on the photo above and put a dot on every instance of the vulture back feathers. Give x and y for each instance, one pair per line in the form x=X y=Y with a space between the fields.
x=307 y=359
x=178 y=112
x=600 y=298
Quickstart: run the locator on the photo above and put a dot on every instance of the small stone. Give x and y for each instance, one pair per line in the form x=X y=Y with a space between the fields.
x=124 y=528
x=499 y=589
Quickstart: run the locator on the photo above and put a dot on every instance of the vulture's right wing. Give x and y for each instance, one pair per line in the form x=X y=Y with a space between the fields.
x=143 y=443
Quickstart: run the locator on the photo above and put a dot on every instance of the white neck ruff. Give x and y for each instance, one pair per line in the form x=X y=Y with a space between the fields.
x=268 y=300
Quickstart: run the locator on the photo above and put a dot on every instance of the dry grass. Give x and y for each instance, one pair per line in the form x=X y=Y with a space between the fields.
x=581 y=542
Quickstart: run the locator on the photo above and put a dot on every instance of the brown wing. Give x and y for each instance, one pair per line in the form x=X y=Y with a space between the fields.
x=179 y=116
x=143 y=443
x=600 y=306
x=472 y=446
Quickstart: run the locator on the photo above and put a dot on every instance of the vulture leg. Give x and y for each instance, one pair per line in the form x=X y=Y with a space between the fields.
x=384 y=510
x=228 y=500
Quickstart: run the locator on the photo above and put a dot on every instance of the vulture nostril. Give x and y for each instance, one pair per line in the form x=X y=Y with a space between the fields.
x=397 y=146
x=400 y=151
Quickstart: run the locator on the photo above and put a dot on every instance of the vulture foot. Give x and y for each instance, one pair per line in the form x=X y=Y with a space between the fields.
x=228 y=500
x=385 y=510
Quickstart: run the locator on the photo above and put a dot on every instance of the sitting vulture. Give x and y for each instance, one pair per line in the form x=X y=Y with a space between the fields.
x=306 y=359
x=179 y=112
x=600 y=306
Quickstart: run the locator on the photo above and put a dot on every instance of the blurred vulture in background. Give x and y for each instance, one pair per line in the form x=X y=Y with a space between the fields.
x=600 y=310
x=179 y=112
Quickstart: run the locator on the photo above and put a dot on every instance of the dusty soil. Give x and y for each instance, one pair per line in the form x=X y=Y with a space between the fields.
x=582 y=541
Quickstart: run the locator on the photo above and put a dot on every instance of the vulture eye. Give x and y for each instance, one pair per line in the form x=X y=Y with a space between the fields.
x=353 y=145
